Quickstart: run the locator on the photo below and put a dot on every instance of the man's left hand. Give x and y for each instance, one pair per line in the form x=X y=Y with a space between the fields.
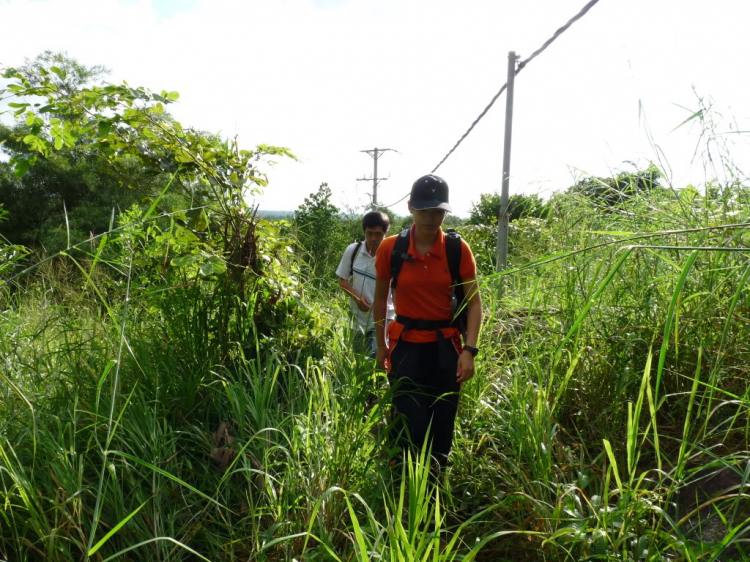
x=465 y=366
x=381 y=356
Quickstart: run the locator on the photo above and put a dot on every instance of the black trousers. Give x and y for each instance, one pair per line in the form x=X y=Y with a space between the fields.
x=425 y=394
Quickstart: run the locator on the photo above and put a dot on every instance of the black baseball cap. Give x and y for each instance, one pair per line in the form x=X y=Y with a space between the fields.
x=430 y=192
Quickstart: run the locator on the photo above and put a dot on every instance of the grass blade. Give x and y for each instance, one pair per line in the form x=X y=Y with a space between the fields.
x=114 y=529
x=670 y=318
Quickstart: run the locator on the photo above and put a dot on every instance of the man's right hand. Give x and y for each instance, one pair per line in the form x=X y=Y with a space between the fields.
x=363 y=304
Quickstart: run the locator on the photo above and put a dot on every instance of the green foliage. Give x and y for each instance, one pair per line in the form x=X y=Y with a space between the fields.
x=610 y=379
x=69 y=194
x=613 y=191
x=321 y=234
x=123 y=123
x=64 y=71
x=62 y=198
x=10 y=254
x=487 y=210
x=483 y=242
x=126 y=130
x=527 y=237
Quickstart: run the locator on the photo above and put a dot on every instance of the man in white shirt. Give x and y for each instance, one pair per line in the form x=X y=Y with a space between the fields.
x=356 y=273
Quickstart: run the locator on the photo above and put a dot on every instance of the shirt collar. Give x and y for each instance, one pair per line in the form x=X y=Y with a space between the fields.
x=363 y=251
x=438 y=248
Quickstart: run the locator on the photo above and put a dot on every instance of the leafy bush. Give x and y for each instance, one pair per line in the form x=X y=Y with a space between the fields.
x=612 y=191
x=321 y=235
x=487 y=210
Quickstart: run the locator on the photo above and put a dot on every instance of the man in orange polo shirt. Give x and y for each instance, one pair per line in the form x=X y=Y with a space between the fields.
x=425 y=360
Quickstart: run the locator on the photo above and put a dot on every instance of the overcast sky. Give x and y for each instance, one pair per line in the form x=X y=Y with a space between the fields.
x=328 y=78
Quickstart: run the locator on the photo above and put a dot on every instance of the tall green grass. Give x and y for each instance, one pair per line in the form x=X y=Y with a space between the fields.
x=611 y=388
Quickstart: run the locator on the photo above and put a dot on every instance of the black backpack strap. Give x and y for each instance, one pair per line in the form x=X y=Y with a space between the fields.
x=453 y=252
x=354 y=257
x=399 y=255
x=414 y=324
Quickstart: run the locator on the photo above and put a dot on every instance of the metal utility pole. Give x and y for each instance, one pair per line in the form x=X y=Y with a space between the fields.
x=502 y=219
x=375 y=153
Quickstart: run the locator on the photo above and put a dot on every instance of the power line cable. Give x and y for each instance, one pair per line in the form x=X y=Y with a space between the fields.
x=557 y=34
x=396 y=203
x=466 y=134
x=521 y=65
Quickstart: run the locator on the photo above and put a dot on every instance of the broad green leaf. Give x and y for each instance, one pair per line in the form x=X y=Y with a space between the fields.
x=201 y=222
x=58 y=143
x=207 y=268
x=181 y=261
x=197 y=220
x=69 y=137
x=185 y=235
x=104 y=127
x=20 y=169
x=173 y=96
x=59 y=71
x=218 y=264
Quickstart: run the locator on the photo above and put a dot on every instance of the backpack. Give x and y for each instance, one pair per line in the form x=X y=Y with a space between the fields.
x=354 y=257
x=453 y=253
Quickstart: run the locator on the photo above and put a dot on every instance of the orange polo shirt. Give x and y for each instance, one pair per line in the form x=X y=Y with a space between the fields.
x=424 y=286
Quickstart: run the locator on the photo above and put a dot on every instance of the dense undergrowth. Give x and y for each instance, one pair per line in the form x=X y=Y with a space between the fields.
x=170 y=418
x=183 y=386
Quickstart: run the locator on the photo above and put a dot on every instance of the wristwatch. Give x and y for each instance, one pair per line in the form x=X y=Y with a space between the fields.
x=472 y=350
